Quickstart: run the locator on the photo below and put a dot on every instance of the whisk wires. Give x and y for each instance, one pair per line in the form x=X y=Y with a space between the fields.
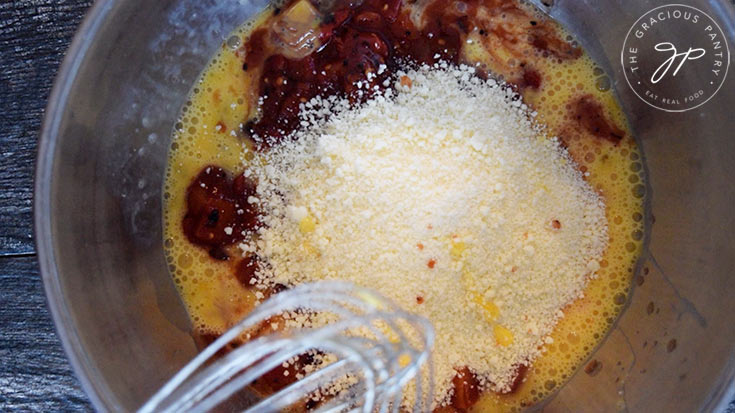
x=380 y=354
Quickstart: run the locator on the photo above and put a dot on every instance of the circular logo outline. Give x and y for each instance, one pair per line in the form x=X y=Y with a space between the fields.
x=625 y=70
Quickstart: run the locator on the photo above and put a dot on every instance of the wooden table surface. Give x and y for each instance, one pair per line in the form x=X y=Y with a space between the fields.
x=34 y=372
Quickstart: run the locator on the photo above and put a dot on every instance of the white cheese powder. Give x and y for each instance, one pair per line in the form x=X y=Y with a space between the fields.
x=444 y=196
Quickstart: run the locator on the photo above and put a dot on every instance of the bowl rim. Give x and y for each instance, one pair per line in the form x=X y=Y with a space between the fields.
x=101 y=397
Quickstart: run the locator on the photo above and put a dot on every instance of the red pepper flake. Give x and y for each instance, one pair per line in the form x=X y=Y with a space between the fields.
x=593 y=367
x=419 y=299
x=221 y=127
x=420 y=246
x=431 y=263
x=406 y=81
x=556 y=224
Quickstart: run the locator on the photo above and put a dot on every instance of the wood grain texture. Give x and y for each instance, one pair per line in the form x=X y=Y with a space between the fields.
x=34 y=34
x=34 y=372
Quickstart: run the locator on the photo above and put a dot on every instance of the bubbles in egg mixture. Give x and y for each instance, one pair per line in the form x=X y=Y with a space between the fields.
x=208 y=132
x=617 y=173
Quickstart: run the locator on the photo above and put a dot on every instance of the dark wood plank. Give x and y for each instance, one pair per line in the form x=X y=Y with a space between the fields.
x=34 y=372
x=34 y=35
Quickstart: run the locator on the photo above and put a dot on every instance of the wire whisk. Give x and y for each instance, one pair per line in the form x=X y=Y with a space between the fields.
x=374 y=347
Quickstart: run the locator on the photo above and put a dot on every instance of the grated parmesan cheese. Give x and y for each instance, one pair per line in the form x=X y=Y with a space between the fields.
x=443 y=195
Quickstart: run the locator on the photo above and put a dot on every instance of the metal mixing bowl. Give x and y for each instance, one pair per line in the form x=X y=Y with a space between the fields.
x=98 y=211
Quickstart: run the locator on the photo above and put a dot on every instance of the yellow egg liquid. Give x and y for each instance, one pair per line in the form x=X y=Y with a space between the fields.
x=223 y=99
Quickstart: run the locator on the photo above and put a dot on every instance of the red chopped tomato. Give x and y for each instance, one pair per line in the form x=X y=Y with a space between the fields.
x=218 y=211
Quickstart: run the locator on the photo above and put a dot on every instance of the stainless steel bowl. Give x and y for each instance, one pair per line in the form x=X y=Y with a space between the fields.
x=98 y=211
